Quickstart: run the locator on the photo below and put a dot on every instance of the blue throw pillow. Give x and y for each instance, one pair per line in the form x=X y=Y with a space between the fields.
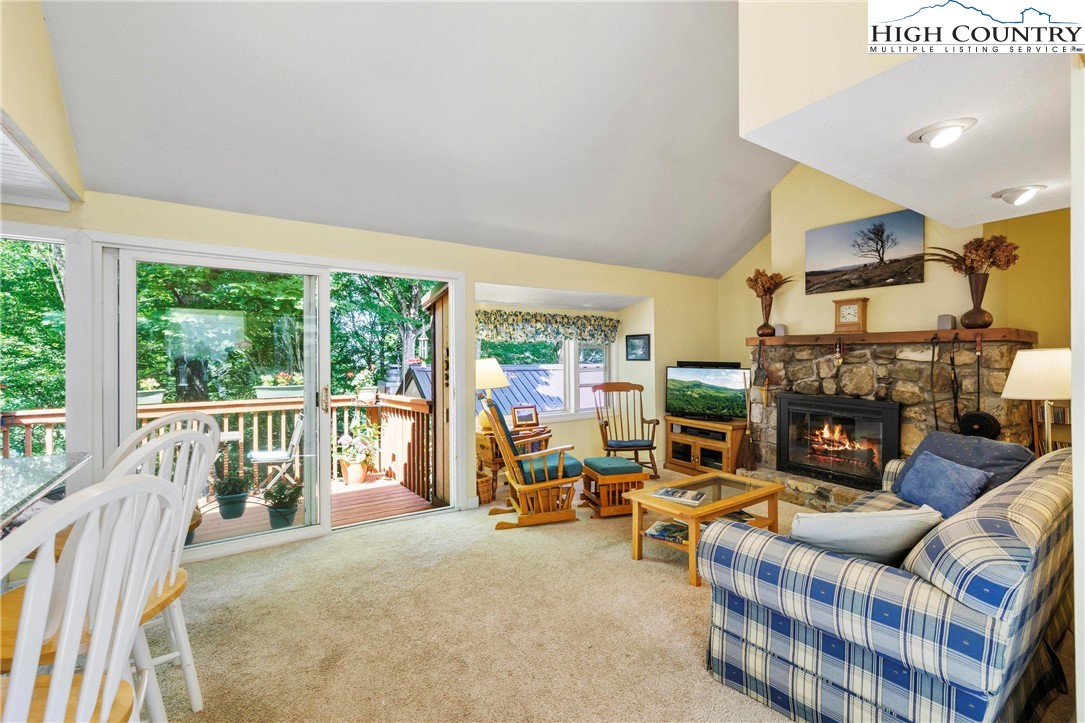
x=946 y=486
x=1002 y=459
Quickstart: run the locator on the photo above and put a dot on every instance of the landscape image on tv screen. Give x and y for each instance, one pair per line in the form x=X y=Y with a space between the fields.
x=709 y=393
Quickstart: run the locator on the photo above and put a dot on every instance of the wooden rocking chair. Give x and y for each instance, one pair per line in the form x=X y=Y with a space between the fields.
x=541 y=484
x=619 y=407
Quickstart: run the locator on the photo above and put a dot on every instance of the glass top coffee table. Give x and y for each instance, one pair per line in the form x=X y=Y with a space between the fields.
x=724 y=494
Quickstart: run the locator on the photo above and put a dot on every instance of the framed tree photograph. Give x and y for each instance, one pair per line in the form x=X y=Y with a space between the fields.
x=885 y=250
x=525 y=415
x=638 y=347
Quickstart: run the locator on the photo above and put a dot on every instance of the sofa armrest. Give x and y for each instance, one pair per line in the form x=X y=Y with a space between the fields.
x=892 y=612
x=890 y=473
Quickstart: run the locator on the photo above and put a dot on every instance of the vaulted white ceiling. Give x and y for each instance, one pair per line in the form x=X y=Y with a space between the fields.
x=604 y=132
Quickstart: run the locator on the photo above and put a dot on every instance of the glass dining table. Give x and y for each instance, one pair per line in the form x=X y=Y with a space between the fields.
x=25 y=480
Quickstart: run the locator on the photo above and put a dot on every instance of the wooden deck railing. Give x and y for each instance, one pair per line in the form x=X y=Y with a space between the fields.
x=406 y=431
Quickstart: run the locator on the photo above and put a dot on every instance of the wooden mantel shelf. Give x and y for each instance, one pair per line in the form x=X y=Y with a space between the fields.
x=897 y=337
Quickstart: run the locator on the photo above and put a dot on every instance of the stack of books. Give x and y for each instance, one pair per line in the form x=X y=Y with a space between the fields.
x=678 y=532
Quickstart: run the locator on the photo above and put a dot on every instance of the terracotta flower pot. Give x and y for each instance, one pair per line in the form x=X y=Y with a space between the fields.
x=766 y=329
x=354 y=473
x=977 y=317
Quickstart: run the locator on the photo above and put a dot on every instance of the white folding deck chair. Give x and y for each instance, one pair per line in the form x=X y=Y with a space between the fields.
x=184 y=458
x=83 y=610
x=280 y=462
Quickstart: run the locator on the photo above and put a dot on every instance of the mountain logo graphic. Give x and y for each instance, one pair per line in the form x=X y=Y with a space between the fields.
x=1027 y=16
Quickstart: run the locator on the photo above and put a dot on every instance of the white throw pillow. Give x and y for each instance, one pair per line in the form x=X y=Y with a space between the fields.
x=884 y=537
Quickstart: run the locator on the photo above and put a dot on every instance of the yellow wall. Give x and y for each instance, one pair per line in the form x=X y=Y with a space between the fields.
x=640 y=319
x=683 y=310
x=1033 y=294
x=792 y=54
x=1038 y=286
x=807 y=199
x=30 y=91
x=740 y=310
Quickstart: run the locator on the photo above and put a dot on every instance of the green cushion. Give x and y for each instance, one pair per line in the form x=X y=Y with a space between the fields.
x=612 y=465
x=546 y=468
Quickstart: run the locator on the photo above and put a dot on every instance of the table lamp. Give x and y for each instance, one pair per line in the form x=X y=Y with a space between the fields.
x=489 y=376
x=1040 y=374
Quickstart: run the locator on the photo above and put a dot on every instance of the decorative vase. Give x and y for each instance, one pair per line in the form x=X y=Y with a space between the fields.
x=232 y=506
x=281 y=517
x=977 y=317
x=766 y=329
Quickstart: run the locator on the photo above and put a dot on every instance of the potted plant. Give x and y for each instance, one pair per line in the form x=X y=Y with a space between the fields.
x=975 y=262
x=150 y=391
x=764 y=285
x=365 y=384
x=232 y=493
x=357 y=449
x=282 y=503
x=280 y=385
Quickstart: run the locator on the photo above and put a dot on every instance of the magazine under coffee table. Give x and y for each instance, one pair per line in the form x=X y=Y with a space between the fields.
x=724 y=494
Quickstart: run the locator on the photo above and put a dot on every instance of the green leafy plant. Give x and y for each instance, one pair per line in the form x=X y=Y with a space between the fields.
x=281 y=379
x=360 y=443
x=283 y=496
x=366 y=377
x=149 y=384
x=233 y=485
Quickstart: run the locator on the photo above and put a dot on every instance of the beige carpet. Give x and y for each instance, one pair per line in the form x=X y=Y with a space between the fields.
x=444 y=618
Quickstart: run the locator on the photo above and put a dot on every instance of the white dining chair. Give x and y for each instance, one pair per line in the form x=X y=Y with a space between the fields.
x=80 y=614
x=178 y=421
x=185 y=459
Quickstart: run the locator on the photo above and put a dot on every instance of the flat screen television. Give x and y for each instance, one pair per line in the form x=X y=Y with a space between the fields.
x=706 y=392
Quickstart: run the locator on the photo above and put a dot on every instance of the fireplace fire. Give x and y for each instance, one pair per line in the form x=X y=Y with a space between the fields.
x=837 y=439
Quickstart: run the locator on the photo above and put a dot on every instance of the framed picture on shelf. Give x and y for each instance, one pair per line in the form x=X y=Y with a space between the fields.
x=638 y=347
x=525 y=415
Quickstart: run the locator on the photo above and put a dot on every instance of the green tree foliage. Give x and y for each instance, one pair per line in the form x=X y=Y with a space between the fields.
x=376 y=321
x=31 y=325
x=525 y=352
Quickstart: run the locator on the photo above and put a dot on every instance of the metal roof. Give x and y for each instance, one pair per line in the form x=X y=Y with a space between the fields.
x=422 y=377
x=538 y=384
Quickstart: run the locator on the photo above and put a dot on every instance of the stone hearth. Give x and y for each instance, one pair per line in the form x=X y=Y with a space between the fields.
x=886 y=370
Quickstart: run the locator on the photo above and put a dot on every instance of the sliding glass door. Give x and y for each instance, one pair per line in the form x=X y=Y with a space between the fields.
x=242 y=343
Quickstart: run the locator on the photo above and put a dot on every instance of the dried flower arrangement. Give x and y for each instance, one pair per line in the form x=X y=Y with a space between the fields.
x=765 y=284
x=979 y=256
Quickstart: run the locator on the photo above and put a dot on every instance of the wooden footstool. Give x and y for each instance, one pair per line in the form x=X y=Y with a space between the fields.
x=606 y=480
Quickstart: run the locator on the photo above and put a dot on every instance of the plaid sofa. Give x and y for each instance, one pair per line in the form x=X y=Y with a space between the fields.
x=964 y=631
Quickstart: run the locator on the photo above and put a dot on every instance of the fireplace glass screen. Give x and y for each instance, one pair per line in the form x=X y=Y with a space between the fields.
x=840 y=446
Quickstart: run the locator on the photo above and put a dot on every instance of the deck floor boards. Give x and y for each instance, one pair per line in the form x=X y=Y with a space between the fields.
x=375 y=499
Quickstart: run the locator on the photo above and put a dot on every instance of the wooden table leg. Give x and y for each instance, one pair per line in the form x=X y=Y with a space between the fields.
x=694 y=538
x=638 y=533
x=774 y=514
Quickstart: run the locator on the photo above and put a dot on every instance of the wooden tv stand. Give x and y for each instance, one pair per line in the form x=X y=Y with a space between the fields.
x=696 y=446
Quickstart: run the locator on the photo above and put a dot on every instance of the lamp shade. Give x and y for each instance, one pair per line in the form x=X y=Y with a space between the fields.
x=1039 y=374
x=489 y=375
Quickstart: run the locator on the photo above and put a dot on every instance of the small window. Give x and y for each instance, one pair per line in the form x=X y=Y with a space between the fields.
x=591 y=370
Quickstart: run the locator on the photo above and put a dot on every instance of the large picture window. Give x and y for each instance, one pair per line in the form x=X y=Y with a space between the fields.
x=538 y=374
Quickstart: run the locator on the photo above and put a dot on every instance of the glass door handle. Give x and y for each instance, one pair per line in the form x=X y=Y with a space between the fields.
x=325 y=398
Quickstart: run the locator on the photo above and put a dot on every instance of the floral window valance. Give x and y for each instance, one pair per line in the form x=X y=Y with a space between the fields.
x=500 y=325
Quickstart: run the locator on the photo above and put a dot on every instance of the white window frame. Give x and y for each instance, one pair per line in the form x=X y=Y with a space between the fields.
x=570 y=349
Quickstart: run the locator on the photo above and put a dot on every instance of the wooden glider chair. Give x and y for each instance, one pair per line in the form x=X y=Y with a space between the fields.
x=541 y=483
x=619 y=407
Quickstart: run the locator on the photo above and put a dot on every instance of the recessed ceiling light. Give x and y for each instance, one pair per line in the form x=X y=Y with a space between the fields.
x=940 y=135
x=1018 y=195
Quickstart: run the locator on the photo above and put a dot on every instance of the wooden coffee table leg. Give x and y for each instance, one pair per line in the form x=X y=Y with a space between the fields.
x=638 y=533
x=694 y=538
x=774 y=514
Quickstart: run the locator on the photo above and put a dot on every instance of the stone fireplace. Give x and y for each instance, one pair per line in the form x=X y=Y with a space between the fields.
x=892 y=367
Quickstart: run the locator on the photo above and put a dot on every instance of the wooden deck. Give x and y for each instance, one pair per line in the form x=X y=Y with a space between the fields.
x=376 y=499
